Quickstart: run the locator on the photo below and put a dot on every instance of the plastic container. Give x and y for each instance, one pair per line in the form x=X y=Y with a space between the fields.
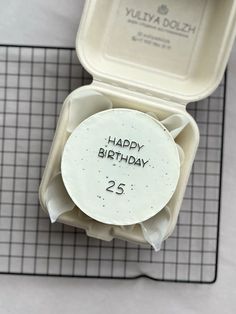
x=152 y=56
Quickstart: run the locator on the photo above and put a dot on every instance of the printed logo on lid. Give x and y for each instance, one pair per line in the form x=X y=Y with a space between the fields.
x=163 y=9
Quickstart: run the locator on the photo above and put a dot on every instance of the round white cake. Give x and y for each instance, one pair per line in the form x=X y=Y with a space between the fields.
x=120 y=166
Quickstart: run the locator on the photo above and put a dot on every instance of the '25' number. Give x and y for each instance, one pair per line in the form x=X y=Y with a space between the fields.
x=119 y=188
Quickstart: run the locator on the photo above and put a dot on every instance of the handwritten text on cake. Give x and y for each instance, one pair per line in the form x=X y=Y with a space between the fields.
x=133 y=147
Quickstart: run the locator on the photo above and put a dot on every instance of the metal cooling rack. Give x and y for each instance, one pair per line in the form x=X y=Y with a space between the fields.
x=33 y=85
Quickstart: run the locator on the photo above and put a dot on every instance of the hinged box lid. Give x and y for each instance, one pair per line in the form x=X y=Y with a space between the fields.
x=176 y=50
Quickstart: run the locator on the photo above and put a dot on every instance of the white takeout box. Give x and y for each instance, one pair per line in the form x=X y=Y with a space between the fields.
x=152 y=56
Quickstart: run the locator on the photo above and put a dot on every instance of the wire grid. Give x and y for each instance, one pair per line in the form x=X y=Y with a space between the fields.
x=34 y=82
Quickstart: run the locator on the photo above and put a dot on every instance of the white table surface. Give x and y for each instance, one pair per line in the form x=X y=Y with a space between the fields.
x=51 y=22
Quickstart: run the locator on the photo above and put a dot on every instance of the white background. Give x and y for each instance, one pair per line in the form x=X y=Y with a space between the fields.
x=54 y=23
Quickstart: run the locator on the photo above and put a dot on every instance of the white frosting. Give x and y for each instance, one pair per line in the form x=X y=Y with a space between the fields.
x=120 y=166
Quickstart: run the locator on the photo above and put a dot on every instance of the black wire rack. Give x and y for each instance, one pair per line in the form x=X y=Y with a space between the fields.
x=34 y=81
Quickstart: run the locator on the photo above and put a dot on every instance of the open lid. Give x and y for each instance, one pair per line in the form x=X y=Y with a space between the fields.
x=175 y=50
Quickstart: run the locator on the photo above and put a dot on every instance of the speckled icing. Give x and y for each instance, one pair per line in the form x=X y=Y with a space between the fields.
x=120 y=166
